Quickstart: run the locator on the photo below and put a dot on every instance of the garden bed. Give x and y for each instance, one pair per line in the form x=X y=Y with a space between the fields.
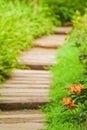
x=69 y=86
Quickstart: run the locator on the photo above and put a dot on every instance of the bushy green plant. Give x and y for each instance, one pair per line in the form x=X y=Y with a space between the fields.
x=71 y=59
x=19 y=25
x=64 y=10
x=76 y=102
x=80 y=30
x=67 y=71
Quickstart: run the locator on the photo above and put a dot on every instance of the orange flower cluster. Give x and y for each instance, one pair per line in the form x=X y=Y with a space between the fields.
x=67 y=101
x=76 y=88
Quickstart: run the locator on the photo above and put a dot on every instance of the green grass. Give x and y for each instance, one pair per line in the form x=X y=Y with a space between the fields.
x=67 y=71
x=19 y=26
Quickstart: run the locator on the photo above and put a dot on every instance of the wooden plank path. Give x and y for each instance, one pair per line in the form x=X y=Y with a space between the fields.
x=28 y=89
x=38 y=58
x=21 y=120
x=51 y=41
x=62 y=30
x=33 y=116
x=25 y=89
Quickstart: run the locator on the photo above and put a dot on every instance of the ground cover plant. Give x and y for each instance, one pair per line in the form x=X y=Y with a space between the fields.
x=68 y=111
x=19 y=25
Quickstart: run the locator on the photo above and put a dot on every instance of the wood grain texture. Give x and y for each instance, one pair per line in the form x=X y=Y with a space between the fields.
x=38 y=58
x=25 y=89
x=51 y=41
x=63 y=30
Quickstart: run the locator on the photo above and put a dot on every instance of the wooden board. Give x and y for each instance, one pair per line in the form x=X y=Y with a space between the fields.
x=21 y=120
x=25 y=89
x=51 y=41
x=22 y=126
x=38 y=58
x=62 y=30
x=31 y=116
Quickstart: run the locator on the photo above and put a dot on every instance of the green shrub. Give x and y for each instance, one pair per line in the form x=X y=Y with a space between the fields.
x=64 y=10
x=19 y=25
x=70 y=70
x=67 y=71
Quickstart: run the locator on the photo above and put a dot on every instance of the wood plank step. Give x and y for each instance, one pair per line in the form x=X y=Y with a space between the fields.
x=16 y=102
x=31 y=73
x=20 y=72
x=51 y=41
x=26 y=99
x=38 y=58
x=25 y=89
x=21 y=86
x=33 y=116
x=28 y=81
x=21 y=120
x=28 y=90
x=22 y=126
x=62 y=30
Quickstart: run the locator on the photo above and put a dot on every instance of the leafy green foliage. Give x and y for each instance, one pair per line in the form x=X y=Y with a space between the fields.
x=63 y=10
x=80 y=25
x=69 y=70
x=19 y=25
x=76 y=102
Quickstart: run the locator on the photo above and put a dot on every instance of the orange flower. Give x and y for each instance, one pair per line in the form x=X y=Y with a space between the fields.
x=81 y=86
x=67 y=100
x=71 y=105
x=72 y=88
x=76 y=89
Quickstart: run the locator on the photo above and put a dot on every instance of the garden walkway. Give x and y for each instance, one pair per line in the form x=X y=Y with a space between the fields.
x=27 y=89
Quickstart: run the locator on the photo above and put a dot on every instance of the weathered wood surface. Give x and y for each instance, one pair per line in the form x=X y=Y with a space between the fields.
x=51 y=41
x=62 y=30
x=22 y=126
x=21 y=120
x=38 y=58
x=25 y=89
x=32 y=116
